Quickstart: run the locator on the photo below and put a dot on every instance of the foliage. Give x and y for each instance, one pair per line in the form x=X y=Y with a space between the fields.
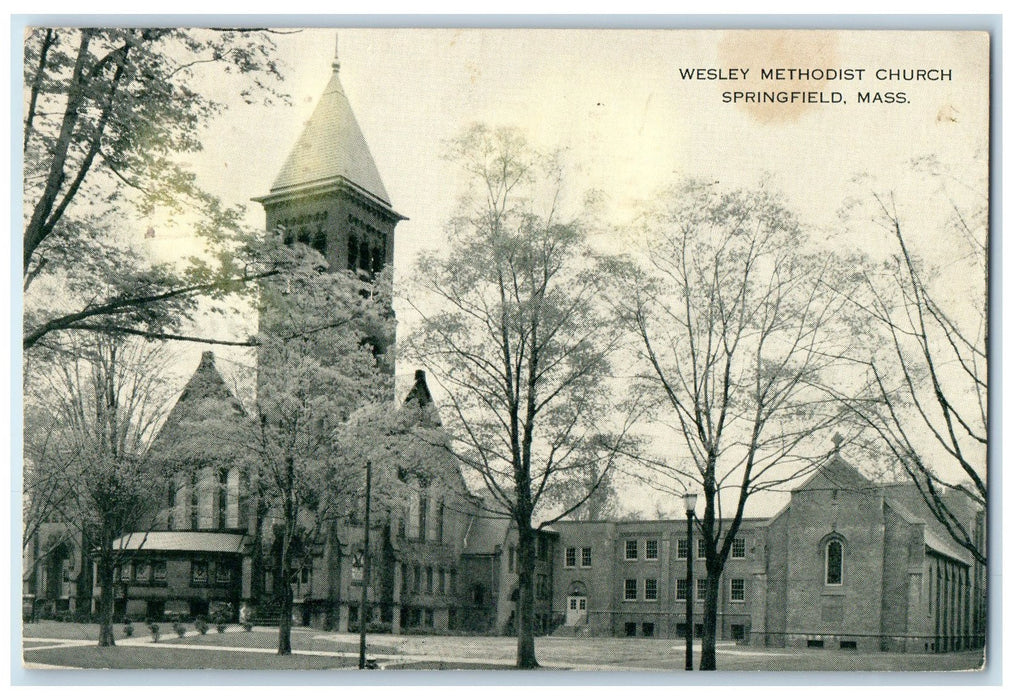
x=519 y=340
x=735 y=328
x=323 y=353
x=155 y=630
x=93 y=411
x=110 y=115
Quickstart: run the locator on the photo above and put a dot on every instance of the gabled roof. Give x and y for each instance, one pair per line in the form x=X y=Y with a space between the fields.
x=331 y=149
x=485 y=534
x=203 y=396
x=835 y=473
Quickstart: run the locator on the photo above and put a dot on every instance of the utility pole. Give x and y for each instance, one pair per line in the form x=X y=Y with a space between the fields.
x=365 y=569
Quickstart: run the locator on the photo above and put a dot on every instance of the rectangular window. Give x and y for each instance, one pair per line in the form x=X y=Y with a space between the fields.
x=701 y=549
x=223 y=574
x=701 y=588
x=441 y=581
x=158 y=571
x=571 y=557
x=142 y=572
x=585 y=557
x=631 y=549
x=223 y=497
x=738 y=590
x=680 y=589
x=583 y=603
x=648 y=628
x=681 y=548
x=429 y=617
x=199 y=572
x=631 y=629
x=128 y=572
x=651 y=549
x=417 y=574
x=404 y=577
x=739 y=548
x=429 y=579
x=651 y=589
x=194 y=503
x=440 y=522
x=423 y=507
x=630 y=590
x=453 y=581
x=512 y=559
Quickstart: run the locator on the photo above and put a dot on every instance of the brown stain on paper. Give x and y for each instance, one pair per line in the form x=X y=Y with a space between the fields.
x=758 y=49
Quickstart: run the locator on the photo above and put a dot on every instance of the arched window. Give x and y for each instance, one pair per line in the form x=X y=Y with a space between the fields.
x=834 y=563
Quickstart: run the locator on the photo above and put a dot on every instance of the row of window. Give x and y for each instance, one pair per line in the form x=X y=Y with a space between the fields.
x=570 y=557
x=218 y=493
x=141 y=573
x=428 y=580
x=632 y=549
x=202 y=573
x=632 y=590
x=417 y=527
x=632 y=552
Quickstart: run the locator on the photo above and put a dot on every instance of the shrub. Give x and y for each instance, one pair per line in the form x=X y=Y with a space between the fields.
x=221 y=627
x=201 y=624
x=248 y=626
x=179 y=628
x=128 y=628
x=153 y=626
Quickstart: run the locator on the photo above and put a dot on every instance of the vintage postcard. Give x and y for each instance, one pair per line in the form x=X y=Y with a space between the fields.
x=490 y=349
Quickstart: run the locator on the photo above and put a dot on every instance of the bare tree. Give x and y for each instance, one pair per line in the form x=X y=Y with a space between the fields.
x=926 y=394
x=514 y=330
x=734 y=328
x=97 y=409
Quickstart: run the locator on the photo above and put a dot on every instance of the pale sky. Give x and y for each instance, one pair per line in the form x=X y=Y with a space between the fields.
x=629 y=123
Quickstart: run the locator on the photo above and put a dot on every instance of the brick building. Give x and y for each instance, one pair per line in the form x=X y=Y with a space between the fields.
x=848 y=563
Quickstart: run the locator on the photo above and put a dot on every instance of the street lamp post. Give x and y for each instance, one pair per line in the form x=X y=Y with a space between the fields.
x=365 y=570
x=689 y=500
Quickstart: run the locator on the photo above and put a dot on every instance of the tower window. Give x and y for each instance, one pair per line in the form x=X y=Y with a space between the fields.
x=320 y=240
x=353 y=251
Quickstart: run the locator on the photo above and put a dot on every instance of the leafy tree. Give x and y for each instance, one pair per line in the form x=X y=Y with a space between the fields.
x=95 y=411
x=323 y=354
x=735 y=327
x=108 y=113
x=514 y=329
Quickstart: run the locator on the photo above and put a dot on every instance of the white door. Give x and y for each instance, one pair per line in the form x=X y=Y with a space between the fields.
x=576 y=610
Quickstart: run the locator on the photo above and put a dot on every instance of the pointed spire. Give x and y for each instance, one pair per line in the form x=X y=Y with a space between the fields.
x=336 y=63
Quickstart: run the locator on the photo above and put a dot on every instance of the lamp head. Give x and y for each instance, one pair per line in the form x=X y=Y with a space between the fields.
x=689 y=499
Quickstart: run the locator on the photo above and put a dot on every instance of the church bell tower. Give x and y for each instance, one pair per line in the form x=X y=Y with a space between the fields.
x=329 y=194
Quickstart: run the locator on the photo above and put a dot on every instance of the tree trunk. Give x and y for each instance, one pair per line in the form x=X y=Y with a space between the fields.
x=107 y=599
x=526 y=597
x=285 y=624
x=708 y=656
